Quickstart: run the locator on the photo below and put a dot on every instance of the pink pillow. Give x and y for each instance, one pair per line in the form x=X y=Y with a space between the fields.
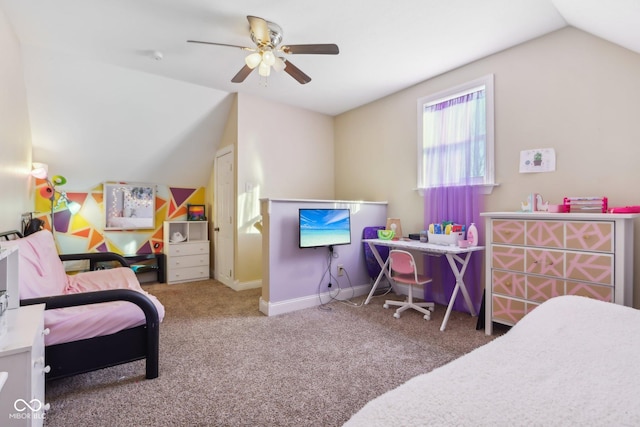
x=40 y=270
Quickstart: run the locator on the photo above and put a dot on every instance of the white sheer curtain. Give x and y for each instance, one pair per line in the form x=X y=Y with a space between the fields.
x=454 y=141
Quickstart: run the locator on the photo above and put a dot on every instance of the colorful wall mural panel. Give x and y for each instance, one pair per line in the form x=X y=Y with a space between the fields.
x=83 y=231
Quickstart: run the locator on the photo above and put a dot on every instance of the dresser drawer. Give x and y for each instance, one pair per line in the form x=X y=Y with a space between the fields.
x=508 y=231
x=508 y=283
x=188 y=273
x=590 y=267
x=591 y=236
x=603 y=293
x=189 y=248
x=507 y=310
x=189 y=261
x=548 y=234
x=507 y=258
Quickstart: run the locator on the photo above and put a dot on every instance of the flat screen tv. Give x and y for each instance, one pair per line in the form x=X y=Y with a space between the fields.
x=324 y=227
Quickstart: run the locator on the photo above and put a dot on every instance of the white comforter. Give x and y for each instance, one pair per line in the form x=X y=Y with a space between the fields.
x=572 y=361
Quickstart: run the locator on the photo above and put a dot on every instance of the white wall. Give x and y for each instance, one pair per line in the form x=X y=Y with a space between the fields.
x=94 y=122
x=567 y=90
x=15 y=136
x=282 y=151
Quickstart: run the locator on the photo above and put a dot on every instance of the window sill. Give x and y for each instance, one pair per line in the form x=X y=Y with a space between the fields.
x=486 y=189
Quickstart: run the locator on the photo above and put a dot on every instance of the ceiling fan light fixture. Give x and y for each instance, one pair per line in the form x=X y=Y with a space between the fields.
x=267 y=36
x=268 y=57
x=253 y=60
x=279 y=64
x=264 y=70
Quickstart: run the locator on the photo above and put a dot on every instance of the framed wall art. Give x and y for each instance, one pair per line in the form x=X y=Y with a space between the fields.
x=196 y=213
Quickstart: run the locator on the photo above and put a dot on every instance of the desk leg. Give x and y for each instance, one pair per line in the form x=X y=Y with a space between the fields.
x=383 y=271
x=459 y=274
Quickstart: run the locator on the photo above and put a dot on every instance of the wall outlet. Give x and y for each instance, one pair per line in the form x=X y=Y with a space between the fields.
x=340 y=270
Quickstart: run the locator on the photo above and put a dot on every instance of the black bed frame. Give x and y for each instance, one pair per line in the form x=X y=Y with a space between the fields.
x=77 y=357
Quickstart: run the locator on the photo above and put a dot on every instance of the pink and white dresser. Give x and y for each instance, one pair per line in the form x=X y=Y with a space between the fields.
x=531 y=257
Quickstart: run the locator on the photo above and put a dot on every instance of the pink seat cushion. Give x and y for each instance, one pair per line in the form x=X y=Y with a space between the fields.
x=41 y=273
x=87 y=321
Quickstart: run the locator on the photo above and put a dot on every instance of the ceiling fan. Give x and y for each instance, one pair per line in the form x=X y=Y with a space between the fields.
x=267 y=54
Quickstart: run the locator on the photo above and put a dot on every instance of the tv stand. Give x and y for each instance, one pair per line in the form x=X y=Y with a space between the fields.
x=142 y=265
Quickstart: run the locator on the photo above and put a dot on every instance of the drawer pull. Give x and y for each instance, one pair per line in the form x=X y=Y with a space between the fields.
x=46 y=369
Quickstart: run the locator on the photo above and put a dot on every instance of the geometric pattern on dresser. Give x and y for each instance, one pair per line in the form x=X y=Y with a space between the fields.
x=541 y=261
x=590 y=267
x=540 y=289
x=604 y=293
x=511 y=232
x=507 y=309
x=508 y=258
x=590 y=236
x=545 y=233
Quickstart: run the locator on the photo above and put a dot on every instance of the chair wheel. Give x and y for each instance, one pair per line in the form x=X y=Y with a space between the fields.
x=386 y=306
x=396 y=315
x=427 y=317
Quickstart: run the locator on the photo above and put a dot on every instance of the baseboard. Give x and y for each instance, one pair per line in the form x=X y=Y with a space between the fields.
x=281 y=307
x=243 y=286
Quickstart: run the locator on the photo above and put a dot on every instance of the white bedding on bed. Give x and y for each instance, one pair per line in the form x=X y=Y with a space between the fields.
x=571 y=361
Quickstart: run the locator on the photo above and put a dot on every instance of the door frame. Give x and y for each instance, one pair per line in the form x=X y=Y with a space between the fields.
x=229 y=150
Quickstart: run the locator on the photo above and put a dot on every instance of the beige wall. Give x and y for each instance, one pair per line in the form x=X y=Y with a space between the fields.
x=282 y=152
x=567 y=90
x=15 y=135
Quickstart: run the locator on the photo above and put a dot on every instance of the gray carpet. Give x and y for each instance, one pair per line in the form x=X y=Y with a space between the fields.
x=223 y=363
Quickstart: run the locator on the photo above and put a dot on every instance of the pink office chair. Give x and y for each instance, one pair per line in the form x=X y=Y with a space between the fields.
x=403 y=270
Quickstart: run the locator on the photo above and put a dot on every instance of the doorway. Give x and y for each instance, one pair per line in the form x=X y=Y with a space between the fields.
x=224 y=225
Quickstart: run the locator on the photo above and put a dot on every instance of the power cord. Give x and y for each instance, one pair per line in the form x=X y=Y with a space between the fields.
x=334 y=297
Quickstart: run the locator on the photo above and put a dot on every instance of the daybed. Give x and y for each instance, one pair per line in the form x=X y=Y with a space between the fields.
x=571 y=361
x=97 y=318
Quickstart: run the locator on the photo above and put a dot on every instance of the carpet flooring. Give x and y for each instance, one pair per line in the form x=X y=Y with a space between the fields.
x=223 y=363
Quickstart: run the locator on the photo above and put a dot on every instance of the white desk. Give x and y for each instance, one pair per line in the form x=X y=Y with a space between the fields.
x=458 y=259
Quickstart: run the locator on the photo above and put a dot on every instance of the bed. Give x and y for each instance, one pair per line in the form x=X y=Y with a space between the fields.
x=571 y=361
x=97 y=318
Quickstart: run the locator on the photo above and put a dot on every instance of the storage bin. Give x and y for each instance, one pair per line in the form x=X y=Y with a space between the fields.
x=446 y=239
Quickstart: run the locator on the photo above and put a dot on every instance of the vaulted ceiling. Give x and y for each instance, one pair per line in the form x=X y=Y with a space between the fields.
x=384 y=46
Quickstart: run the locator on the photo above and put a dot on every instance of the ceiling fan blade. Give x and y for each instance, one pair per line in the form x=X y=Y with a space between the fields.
x=242 y=74
x=220 y=44
x=260 y=30
x=296 y=73
x=317 y=49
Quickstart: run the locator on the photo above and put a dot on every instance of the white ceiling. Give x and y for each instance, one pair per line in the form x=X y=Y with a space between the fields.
x=384 y=46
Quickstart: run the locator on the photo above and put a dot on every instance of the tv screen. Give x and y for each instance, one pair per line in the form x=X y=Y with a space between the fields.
x=324 y=227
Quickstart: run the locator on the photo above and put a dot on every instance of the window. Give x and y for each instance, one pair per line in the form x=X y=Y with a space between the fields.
x=455 y=136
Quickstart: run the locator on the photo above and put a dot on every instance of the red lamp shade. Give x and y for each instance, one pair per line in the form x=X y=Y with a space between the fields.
x=46 y=192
